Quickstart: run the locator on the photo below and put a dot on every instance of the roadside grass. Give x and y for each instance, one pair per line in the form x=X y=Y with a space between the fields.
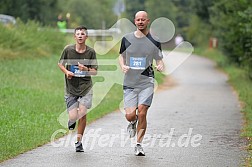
x=239 y=79
x=31 y=98
x=29 y=40
x=29 y=88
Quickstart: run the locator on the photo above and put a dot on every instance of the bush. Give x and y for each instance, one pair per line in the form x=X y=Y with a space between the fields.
x=232 y=24
x=29 y=40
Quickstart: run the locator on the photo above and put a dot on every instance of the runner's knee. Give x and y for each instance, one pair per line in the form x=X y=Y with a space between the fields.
x=141 y=115
x=142 y=111
x=143 y=108
x=73 y=115
x=130 y=116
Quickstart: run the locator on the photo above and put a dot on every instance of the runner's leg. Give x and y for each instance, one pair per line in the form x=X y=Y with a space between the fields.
x=82 y=122
x=142 y=122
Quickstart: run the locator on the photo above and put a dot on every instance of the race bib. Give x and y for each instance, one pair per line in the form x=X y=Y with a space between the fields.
x=138 y=63
x=77 y=73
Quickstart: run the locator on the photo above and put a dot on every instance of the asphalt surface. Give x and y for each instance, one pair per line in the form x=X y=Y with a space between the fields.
x=194 y=121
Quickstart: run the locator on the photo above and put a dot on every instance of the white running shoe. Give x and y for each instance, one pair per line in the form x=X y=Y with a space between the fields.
x=139 y=150
x=131 y=129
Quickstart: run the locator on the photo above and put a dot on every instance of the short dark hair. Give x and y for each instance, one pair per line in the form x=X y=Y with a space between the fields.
x=80 y=28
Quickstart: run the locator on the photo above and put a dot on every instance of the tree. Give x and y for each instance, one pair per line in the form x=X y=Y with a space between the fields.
x=246 y=31
x=132 y=7
x=183 y=13
x=202 y=9
x=90 y=14
x=164 y=9
x=228 y=19
x=193 y=20
x=42 y=11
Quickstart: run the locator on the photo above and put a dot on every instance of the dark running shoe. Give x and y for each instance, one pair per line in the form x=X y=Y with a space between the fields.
x=71 y=125
x=78 y=147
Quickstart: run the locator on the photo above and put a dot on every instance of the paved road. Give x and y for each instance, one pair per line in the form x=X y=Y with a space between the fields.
x=196 y=122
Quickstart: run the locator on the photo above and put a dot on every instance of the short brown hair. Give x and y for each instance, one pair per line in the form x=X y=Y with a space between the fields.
x=81 y=28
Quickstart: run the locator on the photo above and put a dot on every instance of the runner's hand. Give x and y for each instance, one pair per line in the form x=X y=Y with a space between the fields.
x=82 y=67
x=125 y=68
x=160 y=67
x=69 y=75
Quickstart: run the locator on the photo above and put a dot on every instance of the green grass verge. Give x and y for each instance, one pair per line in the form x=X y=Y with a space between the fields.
x=31 y=100
x=239 y=79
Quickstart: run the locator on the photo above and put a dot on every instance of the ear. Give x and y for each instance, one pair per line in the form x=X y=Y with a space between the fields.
x=135 y=21
x=148 y=20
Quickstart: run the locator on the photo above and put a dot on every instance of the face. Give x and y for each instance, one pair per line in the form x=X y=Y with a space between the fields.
x=80 y=36
x=141 y=20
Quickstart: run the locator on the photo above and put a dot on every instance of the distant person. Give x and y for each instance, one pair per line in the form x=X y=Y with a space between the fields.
x=78 y=62
x=178 y=39
x=68 y=20
x=137 y=52
x=62 y=24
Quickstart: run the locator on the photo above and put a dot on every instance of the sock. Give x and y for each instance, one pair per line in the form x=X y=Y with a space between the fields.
x=71 y=122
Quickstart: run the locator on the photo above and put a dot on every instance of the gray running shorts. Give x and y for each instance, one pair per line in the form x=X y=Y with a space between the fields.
x=74 y=101
x=133 y=97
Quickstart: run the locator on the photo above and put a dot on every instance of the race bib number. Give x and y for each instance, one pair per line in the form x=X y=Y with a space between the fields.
x=77 y=73
x=138 y=63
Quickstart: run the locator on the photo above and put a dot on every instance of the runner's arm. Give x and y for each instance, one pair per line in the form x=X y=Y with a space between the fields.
x=122 y=64
x=159 y=65
x=69 y=74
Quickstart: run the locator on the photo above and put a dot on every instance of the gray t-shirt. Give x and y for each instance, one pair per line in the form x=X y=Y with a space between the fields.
x=138 y=54
x=78 y=86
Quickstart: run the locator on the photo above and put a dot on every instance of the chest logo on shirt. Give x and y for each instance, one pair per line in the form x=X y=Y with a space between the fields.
x=138 y=63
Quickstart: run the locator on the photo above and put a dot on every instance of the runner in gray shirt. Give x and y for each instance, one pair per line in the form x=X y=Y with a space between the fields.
x=138 y=49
